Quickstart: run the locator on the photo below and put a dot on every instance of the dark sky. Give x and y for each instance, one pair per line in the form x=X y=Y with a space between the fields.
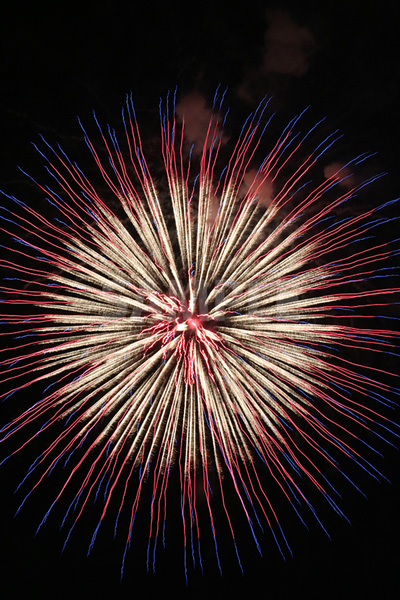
x=62 y=59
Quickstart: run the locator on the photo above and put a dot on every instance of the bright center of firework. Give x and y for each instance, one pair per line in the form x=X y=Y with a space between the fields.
x=190 y=321
x=181 y=332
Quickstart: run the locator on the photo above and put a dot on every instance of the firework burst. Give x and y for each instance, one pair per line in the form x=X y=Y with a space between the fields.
x=215 y=331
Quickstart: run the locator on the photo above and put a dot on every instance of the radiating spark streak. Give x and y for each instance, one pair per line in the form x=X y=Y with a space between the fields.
x=200 y=331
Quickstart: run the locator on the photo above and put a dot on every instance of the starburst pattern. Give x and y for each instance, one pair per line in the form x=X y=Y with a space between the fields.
x=216 y=329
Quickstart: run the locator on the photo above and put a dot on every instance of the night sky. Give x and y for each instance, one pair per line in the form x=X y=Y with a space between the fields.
x=63 y=59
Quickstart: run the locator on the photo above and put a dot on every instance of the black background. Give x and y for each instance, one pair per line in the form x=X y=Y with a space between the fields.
x=61 y=59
